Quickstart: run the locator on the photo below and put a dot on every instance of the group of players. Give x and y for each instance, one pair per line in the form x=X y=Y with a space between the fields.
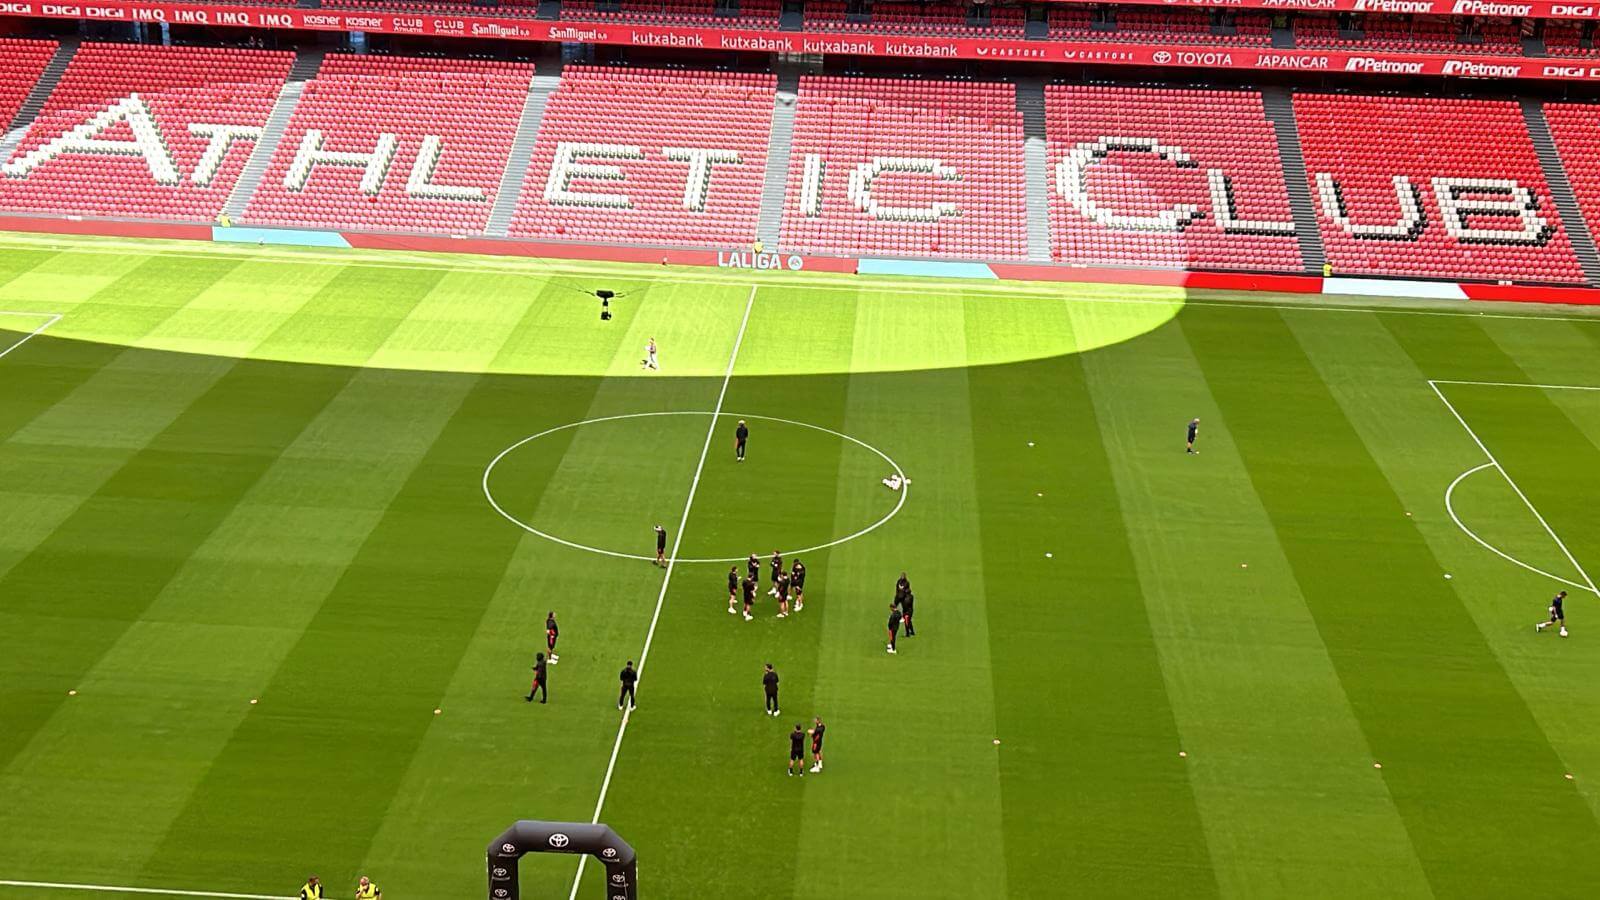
x=784 y=585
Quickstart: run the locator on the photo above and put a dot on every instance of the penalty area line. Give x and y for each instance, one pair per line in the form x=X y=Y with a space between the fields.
x=666 y=581
x=116 y=889
x=1588 y=584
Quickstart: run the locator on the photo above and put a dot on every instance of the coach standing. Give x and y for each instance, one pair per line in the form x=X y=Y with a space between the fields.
x=740 y=435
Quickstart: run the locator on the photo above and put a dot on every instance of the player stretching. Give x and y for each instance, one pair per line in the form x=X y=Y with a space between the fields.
x=740 y=435
x=551 y=632
x=797 y=584
x=1556 y=615
x=748 y=588
x=816 y=745
x=797 y=749
x=1194 y=434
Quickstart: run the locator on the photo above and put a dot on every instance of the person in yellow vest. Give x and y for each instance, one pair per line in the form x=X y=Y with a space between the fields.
x=366 y=890
x=312 y=890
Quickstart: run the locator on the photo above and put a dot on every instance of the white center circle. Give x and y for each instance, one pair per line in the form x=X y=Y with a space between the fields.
x=489 y=493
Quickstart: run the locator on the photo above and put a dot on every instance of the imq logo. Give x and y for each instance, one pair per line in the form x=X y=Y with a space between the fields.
x=559 y=840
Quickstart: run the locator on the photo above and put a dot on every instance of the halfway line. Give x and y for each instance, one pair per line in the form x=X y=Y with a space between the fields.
x=661 y=598
x=113 y=889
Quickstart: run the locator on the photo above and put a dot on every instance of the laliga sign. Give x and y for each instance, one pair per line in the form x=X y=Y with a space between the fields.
x=736 y=259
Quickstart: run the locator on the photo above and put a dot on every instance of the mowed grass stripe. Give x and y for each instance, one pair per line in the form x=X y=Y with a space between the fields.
x=140 y=503
x=379 y=653
x=1280 y=767
x=1091 y=754
x=1420 y=678
x=705 y=666
x=1421 y=449
x=548 y=760
x=274 y=559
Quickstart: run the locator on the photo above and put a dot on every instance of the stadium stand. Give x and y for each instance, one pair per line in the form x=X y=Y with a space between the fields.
x=1567 y=39
x=1575 y=128
x=1433 y=188
x=126 y=133
x=1166 y=177
x=649 y=156
x=20 y=65
x=1161 y=26
x=1400 y=34
x=751 y=14
x=435 y=162
x=886 y=167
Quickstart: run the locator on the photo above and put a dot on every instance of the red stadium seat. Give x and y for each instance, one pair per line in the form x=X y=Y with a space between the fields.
x=1431 y=188
x=151 y=160
x=21 y=63
x=447 y=155
x=649 y=156
x=907 y=168
x=1576 y=130
x=1170 y=178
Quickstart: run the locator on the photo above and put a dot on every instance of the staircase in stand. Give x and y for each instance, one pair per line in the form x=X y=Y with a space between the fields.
x=774 y=187
x=306 y=65
x=546 y=79
x=1279 y=106
x=48 y=79
x=1036 y=166
x=1555 y=175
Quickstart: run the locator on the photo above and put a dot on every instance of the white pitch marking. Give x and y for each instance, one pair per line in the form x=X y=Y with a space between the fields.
x=666 y=581
x=1588 y=582
x=1449 y=507
x=1521 y=384
x=489 y=494
x=115 y=889
x=50 y=319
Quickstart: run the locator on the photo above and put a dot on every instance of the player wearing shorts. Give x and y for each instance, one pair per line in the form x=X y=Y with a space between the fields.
x=816 y=745
x=661 y=546
x=797 y=749
x=777 y=570
x=733 y=590
x=551 y=633
x=1194 y=434
x=753 y=568
x=781 y=588
x=540 y=681
x=797 y=584
x=1557 y=615
x=748 y=588
x=894 y=625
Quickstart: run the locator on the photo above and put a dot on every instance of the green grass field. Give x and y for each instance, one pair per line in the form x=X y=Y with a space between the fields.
x=230 y=476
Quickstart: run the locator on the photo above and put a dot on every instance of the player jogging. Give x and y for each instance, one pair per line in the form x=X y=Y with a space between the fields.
x=540 y=682
x=649 y=361
x=816 y=745
x=797 y=584
x=1557 y=616
x=629 y=678
x=769 y=682
x=1194 y=433
x=366 y=890
x=733 y=589
x=661 y=546
x=797 y=749
x=551 y=632
x=740 y=435
x=894 y=625
x=748 y=588
x=781 y=588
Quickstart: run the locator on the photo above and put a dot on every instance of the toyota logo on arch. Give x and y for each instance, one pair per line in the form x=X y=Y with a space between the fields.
x=559 y=840
x=609 y=853
x=508 y=848
x=1162 y=57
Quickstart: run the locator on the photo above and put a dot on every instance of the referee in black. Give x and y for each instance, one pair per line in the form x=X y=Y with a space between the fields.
x=629 y=679
x=740 y=435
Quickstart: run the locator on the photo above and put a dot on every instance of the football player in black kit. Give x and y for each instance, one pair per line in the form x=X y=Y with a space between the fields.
x=894 y=625
x=748 y=588
x=629 y=678
x=540 y=685
x=816 y=744
x=740 y=435
x=661 y=546
x=1557 y=615
x=733 y=589
x=797 y=584
x=797 y=749
x=901 y=588
x=551 y=632
x=777 y=570
x=753 y=567
x=769 y=682
x=1194 y=433
x=782 y=589
x=905 y=612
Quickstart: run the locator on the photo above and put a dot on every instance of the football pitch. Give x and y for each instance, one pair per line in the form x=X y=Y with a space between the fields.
x=279 y=531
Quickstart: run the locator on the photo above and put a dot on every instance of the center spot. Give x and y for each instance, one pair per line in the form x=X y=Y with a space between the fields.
x=601 y=484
